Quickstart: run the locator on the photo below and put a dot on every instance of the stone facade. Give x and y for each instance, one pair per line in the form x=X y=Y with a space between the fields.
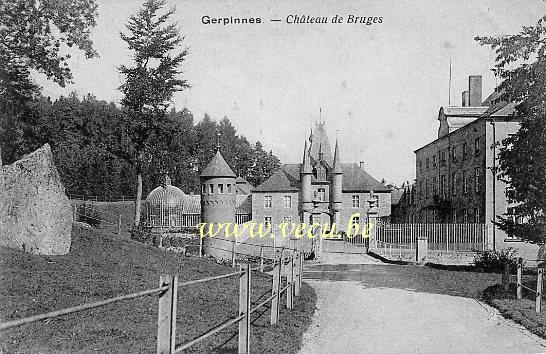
x=321 y=189
x=35 y=213
x=456 y=180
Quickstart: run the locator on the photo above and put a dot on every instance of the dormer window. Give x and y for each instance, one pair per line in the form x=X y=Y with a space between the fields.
x=321 y=173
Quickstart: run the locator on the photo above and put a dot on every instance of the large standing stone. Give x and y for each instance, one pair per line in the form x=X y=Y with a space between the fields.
x=35 y=213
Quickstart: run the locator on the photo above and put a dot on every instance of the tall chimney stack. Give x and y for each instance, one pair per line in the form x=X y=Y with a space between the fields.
x=362 y=164
x=465 y=98
x=475 y=90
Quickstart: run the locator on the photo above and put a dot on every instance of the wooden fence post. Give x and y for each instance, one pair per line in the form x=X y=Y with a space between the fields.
x=244 y=309
x=261 y=258
x=233 y=254
x=290 y=283
x=200 y=246
x=302 y=256
x=275 y=291
x=297 y=276
x=119 y=226
x=538 y=304
x=519 y=280
x=166 y=319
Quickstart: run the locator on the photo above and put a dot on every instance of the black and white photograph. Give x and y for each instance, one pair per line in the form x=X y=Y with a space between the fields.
x=237 y=176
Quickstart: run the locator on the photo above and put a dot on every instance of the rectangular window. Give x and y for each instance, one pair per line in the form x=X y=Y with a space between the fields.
x=211 y=188
x=476 y=215
x=453 y=183
x=465 y=182
x=420 y=167
x=229 y=188
x=288 y=201
x=465 y=216
x=356 y=201
x=465 y=149
x=322 y=194
x=453 y=153
x=477 y=179
x=427 y=164
x=420 y=189
x=220 y=189
x=442 y=158
x=434 y=161
x=267 y=201
x=435 y=186
x=267 y=220
x=287 y=219
x=426 y=189
x=477 y=146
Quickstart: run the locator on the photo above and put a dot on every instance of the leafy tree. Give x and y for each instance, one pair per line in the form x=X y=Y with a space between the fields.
x=34 y=36
x=149 y=86
x=265 y=164
x=521 y=63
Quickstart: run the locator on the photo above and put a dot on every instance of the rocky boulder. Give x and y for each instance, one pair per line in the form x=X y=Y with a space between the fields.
x=35 y=213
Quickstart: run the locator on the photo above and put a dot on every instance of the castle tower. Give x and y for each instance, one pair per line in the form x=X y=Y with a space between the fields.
x=336 y=194
x=218 y=201
x=306 y=173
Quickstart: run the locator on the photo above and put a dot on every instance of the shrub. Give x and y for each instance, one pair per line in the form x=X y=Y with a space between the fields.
x=141 y=234
x=88 y=214
x=493 y=261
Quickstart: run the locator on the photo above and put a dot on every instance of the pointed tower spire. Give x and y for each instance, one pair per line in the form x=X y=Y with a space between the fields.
x=306 y=167
x=337 y=164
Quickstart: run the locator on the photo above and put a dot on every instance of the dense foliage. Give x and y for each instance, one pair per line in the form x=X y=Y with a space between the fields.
x=521 y=63
x=494 y=261
x=35 y=36
x=81 y=133
x=95 y=142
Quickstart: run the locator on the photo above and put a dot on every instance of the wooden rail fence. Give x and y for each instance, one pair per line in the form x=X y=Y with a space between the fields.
x=519 y=283
x=289 y=264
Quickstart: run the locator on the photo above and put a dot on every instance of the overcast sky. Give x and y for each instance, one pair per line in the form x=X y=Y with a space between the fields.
x=380 y=87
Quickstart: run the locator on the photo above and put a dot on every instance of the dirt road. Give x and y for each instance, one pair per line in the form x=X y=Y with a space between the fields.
x=393 y=313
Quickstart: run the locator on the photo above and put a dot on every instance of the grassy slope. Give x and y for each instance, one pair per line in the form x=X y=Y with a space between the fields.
x=521 y=311
x=101 y=266
x=109 y=213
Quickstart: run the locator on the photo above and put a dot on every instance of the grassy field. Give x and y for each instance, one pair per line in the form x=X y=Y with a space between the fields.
x=109 y=214
x=99 y=267
x=521 y=311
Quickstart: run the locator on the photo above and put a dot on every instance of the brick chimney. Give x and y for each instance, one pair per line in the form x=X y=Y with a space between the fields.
x=475 y=90
x=362 y=164
x=465 y=98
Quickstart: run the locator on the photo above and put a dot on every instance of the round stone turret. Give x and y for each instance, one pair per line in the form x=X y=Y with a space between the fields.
x=218 y=198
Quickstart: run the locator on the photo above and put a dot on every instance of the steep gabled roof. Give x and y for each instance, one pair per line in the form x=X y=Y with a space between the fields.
x=279 y=181
x=218 y=167
x=287 y=178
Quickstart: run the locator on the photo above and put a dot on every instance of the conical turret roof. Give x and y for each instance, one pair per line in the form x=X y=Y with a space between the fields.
x=337 y=164
x=306 y=166
x=218 y=167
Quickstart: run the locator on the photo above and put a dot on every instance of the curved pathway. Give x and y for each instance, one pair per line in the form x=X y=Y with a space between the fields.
x=381 y=309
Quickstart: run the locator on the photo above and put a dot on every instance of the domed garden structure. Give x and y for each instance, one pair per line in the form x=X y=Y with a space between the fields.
x=164 y=206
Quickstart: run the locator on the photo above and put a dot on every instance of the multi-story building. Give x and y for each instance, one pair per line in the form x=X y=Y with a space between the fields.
x=456 y=174
x=320 y=189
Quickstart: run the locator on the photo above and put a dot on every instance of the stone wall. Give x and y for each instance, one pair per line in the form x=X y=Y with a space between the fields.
x=35 y=213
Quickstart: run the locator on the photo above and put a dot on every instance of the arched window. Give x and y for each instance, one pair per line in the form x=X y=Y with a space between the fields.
x=321 y=173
